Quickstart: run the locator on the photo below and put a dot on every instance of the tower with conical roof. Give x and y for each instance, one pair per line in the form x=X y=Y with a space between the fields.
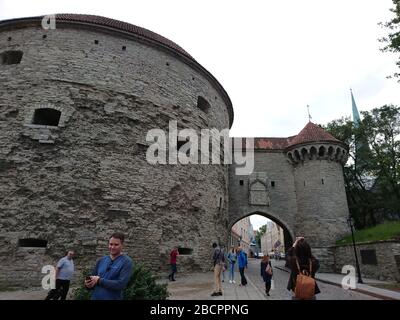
x=317 y=159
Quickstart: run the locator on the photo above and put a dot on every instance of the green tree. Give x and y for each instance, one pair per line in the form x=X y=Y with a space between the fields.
x=372 y=176
x=260 y=233
x=392 y=41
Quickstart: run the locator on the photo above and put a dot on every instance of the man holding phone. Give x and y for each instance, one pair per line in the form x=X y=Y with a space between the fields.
x=111 y=273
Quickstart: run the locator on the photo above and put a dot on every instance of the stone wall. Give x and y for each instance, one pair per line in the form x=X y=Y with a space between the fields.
x=385 y=267
x=271 y=167
x=322 y=203
x=75 y=184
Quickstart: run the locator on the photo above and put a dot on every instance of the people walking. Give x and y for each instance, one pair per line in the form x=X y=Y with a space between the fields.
x=242 y=263
x=301 y=259
x=172 y=261
x=112 y=272
x=266 y=273
x=218 y=260
x=232 y=257
x=64 y=272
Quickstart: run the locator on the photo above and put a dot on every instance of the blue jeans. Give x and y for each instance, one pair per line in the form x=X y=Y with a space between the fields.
x=232 y=271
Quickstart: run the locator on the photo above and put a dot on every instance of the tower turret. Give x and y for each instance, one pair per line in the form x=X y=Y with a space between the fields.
x=318 y=158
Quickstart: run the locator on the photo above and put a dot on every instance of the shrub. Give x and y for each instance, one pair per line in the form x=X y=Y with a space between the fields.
x=141 y=286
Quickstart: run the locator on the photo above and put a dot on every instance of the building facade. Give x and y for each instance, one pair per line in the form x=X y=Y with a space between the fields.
x=273 y=240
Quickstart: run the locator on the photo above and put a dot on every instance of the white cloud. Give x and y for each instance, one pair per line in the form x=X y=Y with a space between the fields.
x=273 y=58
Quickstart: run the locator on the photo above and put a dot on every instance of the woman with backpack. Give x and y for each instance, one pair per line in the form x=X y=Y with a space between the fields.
x=266 y=273
x=303 y=263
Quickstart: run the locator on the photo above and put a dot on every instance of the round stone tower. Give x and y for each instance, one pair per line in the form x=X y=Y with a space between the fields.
x=78 y=95
x=318 y=158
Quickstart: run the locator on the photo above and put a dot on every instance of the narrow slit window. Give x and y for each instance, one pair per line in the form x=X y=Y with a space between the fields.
x=203 y=104
x=32 y=243
x=11 y=57
x=185 y=251
x=46 y=117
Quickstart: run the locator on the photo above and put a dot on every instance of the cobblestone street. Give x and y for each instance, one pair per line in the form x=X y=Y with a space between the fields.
x=200 y=286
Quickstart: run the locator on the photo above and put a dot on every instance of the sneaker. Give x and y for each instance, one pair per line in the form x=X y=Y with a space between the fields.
x=230 y=281
x=268 y=294
x=214 y=294
x=219 y=293
x=233 y=281
x=222 y=280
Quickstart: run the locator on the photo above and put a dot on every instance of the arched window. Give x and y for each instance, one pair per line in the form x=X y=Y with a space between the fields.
x=330 y=151
x=304 y=153
x=46 y=117
x=321 y=151
x=297 y=155
x=203 y=104
x=313 y=152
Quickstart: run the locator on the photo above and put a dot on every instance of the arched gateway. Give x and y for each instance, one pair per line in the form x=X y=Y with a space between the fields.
x=298 y=182
x=287 y=229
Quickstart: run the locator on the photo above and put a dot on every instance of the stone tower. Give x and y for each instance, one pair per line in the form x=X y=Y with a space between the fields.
x=76 y=103
x=317 y=159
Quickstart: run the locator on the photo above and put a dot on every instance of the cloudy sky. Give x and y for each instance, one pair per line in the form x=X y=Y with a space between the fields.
x=273 y=57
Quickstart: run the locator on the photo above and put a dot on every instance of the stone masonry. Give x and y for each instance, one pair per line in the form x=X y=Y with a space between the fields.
x=71 y=184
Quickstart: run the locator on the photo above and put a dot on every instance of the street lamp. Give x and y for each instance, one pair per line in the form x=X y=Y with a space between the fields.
x=350 y=222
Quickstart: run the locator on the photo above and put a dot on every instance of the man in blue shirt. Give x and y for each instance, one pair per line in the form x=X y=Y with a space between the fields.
x=111 y=273
x=64 y=272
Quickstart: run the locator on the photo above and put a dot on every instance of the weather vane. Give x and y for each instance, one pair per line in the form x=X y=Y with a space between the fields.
x=309 y=116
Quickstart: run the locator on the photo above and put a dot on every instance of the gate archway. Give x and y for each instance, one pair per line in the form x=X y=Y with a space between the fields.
x=287 y=230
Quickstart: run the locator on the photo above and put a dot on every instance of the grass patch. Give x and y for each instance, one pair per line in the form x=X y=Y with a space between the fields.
x=385 y=231
x=6 y=287
x=392 y=286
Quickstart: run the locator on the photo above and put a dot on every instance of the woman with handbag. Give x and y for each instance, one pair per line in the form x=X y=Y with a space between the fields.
x=266 y=273
x=301 y=262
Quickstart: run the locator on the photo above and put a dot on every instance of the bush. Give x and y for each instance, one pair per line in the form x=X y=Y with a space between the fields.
x=141 y=286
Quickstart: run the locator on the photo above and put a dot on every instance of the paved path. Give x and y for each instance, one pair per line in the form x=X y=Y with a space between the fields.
x=200 y=286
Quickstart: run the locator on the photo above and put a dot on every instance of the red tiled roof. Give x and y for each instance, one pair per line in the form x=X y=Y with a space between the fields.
x=271 y=143
x=312 y=133
x=123 y=26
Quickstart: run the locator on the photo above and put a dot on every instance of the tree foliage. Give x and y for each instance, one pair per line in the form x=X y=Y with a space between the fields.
x=392 y=41
x=372 y=174
x=260 y=233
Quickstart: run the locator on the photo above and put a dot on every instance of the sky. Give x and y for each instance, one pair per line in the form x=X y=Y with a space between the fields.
x=272 y=57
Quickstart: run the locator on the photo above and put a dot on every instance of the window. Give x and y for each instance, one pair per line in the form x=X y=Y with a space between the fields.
x=185 y=251
x=10 y=57
x=203 y=104
x=30 y=242
x=272 y=184
x=241 y=182
x=46 y=117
